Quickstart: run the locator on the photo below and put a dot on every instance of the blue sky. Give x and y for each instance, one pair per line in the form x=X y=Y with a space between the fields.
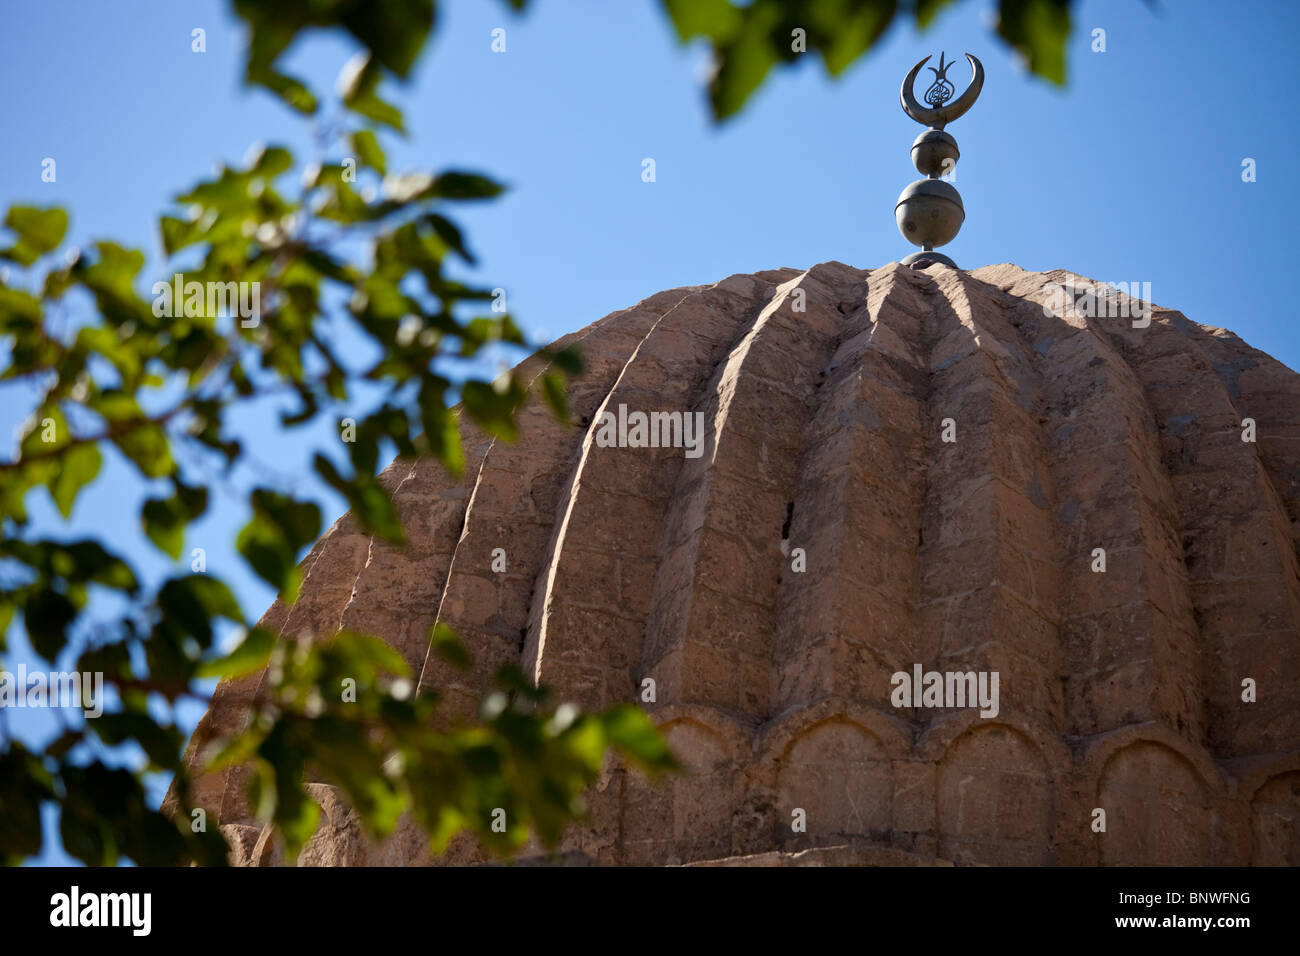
x=1132 y=172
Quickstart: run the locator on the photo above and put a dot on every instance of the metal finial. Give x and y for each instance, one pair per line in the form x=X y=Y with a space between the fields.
x=930 y=211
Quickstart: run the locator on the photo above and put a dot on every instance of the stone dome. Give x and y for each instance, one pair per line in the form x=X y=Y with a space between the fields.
x=898 y=469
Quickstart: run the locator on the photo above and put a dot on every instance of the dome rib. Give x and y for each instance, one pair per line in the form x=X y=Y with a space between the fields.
x=1244 y=585
x=513 y=507
x=1113 y=495
x=839 y=621
x=989 y=582
x=709 y=634
x=601 y=558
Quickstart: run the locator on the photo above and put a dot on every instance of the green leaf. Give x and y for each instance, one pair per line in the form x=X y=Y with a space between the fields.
x=165 y=519
x=39 y=231
x=393 y=30
x=370 y=503
x=449 y=647
x=178 y=233
x=78 y=467
x=160 y=744
x=373 y=509
x=441 y=429
x=745 y=60
x=850 y=30
x=280 y=789
x=26 y=786
x=360 y=82
x=553 y=388
x=147 y=446
x=249 y=657
x=366 y=145
x=46 y=615
x=297 y=820
x=292 y=91
x=631 y=731
x=1038 y=29
x=927 y=10
x=715 y=19
x=111 y=276
x=494 y=411
x=162 y=528
x=567 y=359
x=237 y=750
x=191 y=602
x=48 y=434
x=270 y=542
x=7 y=609
x=104 y=340
x=365 y=650
x=450 y=233
x=455 y=184
x=90 y=562
x=18 y=310
x=381 y=111
x=265 y=552
x=271 y=161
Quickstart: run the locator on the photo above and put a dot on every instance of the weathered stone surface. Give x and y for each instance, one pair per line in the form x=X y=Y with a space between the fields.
x=828 y=536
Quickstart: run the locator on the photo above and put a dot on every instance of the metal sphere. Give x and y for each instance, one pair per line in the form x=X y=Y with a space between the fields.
x=929 y=213
x=934 y=153
x=923 y=260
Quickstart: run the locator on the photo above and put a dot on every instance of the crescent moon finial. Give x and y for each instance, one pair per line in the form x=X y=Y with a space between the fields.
x=943 y=112
x=930 y=211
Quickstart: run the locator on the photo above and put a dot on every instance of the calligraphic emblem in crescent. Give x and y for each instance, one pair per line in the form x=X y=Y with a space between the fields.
x=941 y=106
x=940 y=90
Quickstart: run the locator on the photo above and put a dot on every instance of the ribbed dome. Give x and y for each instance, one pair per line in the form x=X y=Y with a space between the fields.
x=824 y=396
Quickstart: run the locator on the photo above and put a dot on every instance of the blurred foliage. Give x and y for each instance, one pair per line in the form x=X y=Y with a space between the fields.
x=155 y=388
x=749 y=37
x=155 y=380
